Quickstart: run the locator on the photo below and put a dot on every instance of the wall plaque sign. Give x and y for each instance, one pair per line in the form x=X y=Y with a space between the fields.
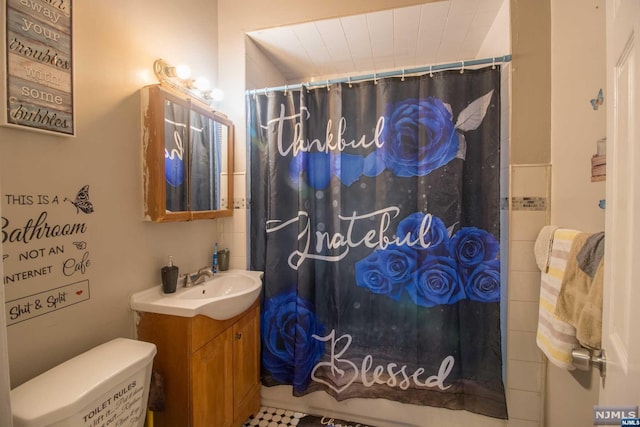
x=30 y=306
x=38 y=70
x=46 y=252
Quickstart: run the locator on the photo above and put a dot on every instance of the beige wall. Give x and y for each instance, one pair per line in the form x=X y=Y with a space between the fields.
x=116 y=43
x=531 y=85
x=578 y=71
x=5 y=381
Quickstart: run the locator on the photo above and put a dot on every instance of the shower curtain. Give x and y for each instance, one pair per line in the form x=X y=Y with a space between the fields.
x=375 y=218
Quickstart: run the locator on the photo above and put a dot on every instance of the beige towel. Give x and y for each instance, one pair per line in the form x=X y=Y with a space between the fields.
x=556 y=338
x=580 y=298
x=542 y=247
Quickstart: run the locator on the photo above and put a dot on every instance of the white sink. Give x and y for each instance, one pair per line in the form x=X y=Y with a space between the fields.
x=222 y=297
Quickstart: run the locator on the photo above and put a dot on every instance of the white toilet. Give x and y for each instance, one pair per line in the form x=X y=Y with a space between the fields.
x=103 y=387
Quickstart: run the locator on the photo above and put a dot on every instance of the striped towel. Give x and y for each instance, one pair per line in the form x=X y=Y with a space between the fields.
x=555 y=337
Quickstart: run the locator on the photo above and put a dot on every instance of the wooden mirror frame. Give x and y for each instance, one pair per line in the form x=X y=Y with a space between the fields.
x=153 y=156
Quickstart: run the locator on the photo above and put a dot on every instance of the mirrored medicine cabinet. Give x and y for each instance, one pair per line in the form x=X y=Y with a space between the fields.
x=187 y=158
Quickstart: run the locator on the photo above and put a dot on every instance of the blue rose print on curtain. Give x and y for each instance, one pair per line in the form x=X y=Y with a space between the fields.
x=289 y=350
x=418 y=136
x=436 y=282
x=432 y=267
x=174 y=171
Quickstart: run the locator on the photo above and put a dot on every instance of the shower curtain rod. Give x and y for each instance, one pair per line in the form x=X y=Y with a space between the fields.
x=395 y=73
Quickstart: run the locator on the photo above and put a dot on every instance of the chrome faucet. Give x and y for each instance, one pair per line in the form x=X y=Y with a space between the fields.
x=197 y=278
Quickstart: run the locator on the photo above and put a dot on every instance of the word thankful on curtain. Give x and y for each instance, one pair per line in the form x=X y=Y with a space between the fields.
x=375 y=217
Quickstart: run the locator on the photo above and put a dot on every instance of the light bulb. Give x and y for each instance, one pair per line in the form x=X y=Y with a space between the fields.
x=202 y=84
x=217 y=95
x=183 y=71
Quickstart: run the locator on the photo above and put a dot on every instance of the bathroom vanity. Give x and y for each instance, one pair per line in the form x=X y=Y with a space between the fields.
x=210 y=367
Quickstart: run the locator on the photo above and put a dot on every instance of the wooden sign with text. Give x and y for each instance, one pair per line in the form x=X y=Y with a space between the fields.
x=38 y=75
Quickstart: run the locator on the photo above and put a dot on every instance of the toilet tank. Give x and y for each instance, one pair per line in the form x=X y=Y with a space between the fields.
x=103 y=387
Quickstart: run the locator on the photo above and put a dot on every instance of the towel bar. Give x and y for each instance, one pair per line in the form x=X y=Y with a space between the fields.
x=583 y=359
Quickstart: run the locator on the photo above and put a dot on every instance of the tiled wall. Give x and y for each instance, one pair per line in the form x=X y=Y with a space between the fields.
x=232 y=232
x=529 y=212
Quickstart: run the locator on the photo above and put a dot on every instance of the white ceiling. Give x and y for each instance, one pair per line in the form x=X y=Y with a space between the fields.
x=433 y=33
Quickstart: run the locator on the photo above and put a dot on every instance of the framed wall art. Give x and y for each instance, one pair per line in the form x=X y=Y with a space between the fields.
x=37 y=74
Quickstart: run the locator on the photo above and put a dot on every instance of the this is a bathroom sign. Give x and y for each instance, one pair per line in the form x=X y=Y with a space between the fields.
x=25 y=308
x=46 y=251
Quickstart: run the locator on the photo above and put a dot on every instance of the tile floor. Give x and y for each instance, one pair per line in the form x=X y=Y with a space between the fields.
x=274 y=417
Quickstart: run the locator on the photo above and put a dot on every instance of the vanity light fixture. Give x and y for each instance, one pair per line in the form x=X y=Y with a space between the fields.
x=179 y=78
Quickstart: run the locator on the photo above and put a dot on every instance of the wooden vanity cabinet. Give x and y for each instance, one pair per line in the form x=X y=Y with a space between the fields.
x=210 y=367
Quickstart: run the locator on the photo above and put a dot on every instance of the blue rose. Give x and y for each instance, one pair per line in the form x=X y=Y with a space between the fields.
x=424 y=230
x=289 y=351
x=419 y=136
x=174 y=171
x=347 y=167
x=483 y=283
x=373 y=165
x=471 y=246
x=316 y=168
x=398 y=264
x=385 y=272
x=436 y=282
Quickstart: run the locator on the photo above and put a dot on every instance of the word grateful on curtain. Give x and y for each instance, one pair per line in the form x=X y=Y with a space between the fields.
x=375 y=218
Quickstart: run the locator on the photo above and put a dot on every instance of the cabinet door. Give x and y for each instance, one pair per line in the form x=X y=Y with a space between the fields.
x=187 y=158
x=246 y=362
x=212 y=383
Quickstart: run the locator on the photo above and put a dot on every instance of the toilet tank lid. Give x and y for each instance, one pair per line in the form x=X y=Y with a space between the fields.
x=67 y=388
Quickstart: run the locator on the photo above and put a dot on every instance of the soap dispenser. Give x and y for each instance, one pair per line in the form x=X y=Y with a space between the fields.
x=169 y=275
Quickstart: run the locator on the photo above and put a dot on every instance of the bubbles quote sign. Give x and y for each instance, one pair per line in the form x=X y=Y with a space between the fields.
x=46 y=256
x=39 y=71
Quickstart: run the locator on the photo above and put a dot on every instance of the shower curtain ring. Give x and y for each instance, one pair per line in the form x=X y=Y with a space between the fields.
x=285 y=90
x=493 y=64
x=402 y=79
x=375 y=79
x=328 y=88
x=349 y=81
x=462 y=69
x=431 y=71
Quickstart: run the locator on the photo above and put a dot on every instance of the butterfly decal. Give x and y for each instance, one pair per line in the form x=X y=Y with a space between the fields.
x=80 y=245
x=82 y=202
x=598 y=101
